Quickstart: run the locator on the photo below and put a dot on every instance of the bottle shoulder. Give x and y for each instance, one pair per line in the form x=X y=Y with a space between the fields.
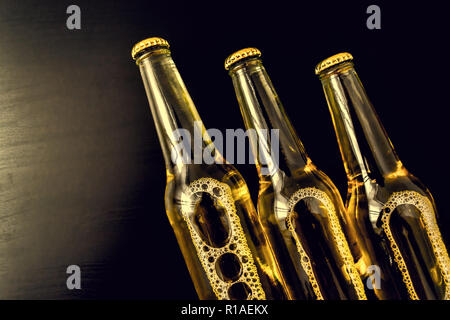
x=376 y=200
x=407 y=182
x=382 y=190
x=288 y=184
x=282 y=189
x=190 y=173
x=216 y=181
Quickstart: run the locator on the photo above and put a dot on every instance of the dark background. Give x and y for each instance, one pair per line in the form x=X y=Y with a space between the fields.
x=81 y=173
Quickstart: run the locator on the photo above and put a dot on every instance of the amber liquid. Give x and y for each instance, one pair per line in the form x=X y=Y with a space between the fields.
x=310 y=233
x=221 y=237
x=369 y=247
x=405 y=242
x=414 y=241
x=309 y=217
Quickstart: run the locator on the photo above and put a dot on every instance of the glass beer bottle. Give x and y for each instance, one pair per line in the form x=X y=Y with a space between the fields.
x=206 y=198
x=299 y=206
x=392 y=215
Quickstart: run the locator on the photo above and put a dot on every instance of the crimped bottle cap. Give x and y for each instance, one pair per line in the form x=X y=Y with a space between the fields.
x=241 y=54
x=333 y=60
x=148 y=43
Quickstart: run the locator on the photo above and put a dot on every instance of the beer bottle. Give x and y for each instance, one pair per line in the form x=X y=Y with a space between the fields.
x=299 y=206
x=206 y=199
x=391 y=214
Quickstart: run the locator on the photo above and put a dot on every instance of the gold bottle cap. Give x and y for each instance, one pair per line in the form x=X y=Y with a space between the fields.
x=333 y=60
x=241 y=54
x=147 y=43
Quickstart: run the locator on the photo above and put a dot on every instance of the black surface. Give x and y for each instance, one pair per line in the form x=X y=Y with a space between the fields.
x=81 y=172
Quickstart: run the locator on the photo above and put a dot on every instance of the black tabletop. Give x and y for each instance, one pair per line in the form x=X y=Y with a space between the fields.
x=81 y=172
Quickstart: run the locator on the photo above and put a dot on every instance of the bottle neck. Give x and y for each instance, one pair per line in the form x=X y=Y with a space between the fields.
x=264 y=114
x=181 y=132
x=346 y=96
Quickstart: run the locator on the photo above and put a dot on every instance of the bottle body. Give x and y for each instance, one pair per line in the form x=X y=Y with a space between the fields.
x=299 y=206
x=409 y=224
x=305 y=209
x=220 y=237
x=207 y=203
x=392 y=215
